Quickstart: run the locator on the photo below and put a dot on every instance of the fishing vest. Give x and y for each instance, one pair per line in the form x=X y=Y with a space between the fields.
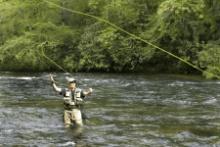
x=72 y=99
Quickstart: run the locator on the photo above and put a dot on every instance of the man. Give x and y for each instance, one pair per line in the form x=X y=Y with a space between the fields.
x=73 y=101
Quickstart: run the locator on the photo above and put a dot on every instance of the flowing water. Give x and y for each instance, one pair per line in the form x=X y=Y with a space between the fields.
x=125 y=110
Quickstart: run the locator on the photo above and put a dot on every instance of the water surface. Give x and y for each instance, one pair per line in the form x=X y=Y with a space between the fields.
x=125 y=110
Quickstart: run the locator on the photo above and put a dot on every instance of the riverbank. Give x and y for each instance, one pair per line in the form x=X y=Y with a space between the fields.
x=29 y=40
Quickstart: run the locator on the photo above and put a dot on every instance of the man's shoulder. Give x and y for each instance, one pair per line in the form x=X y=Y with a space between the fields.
x=63 y=91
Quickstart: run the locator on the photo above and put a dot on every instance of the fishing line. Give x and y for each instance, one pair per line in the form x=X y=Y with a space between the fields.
x=128 y=33
x=49 y=59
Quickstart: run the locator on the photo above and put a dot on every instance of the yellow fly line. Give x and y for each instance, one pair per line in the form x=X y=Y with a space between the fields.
x=126 y=32
x=49 y=59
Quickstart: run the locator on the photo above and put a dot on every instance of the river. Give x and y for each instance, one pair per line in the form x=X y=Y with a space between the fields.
x=124 y=110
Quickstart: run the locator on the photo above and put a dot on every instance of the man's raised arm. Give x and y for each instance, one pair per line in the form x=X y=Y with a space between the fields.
x=57 y=89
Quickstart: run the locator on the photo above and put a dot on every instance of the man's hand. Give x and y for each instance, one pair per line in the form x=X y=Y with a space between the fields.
x=87 y=92
x=90 y=90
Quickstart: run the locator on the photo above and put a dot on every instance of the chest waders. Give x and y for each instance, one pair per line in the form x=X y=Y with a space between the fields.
x=73 y=102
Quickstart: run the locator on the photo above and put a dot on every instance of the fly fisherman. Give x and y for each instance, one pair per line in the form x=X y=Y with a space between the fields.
x=73 y=100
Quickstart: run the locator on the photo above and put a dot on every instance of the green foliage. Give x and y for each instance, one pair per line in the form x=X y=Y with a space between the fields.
x=180 y=19
x=23 y=58
x=115 y=12
x=209 y=59
x=187 y=28
x=93 y=56
x=182 y=27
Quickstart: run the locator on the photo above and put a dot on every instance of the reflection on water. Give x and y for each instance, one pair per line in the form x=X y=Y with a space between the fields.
x=125 y=110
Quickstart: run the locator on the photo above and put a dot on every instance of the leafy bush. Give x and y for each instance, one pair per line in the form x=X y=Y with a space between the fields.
x=187 y=28
x=209 y=59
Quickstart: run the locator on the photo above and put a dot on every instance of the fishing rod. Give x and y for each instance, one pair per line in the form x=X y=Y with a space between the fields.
x=126 y=32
